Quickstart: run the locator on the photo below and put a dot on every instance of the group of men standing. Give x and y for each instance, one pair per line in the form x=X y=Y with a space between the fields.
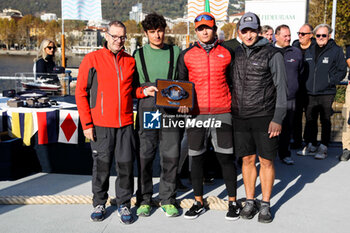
x=249 y=89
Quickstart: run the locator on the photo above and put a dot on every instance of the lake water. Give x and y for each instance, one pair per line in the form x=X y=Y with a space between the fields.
x=9 y=65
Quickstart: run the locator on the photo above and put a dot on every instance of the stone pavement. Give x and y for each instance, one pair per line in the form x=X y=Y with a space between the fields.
x=311 y=196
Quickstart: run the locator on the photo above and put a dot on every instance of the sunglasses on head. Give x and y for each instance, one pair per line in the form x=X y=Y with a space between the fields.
x=323 y=35
x=205 y=17
x=51 y=47
x=303 y=33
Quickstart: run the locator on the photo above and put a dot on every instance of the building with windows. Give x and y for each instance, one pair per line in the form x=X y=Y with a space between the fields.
x=136 y=13
x=48 y=17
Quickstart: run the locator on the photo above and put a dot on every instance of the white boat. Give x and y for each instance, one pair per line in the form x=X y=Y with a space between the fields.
x=43 y=84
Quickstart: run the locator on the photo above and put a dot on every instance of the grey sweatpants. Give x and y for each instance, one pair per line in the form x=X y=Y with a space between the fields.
x=169 y=150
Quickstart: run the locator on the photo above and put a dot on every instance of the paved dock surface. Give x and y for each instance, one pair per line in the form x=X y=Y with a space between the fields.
x=310 y=196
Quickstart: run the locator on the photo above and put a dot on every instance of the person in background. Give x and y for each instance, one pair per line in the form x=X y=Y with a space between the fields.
x=44 y=62
x=293 y=60
x=346 y=114
x=305 y=40
x=267 y=32
x=326 y=67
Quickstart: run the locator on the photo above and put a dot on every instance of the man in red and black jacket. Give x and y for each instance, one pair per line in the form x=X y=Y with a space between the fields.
x=104 y=98
x=207 y=64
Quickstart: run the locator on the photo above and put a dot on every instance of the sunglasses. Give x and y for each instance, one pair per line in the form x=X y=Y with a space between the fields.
x=115 y=37
x=51 y=47
x=303 y=33
x=323 y=35
x=205 y=17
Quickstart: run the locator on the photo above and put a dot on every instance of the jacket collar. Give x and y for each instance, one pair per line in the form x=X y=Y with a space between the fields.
x=107 y=50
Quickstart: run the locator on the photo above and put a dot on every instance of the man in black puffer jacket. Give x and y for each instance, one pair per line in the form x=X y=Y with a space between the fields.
x=327 y=67
x=259 y=103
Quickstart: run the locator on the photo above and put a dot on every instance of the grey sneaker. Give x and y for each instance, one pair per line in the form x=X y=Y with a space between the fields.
x=98 y=214
x=288 y=161
x=345 y=156
x=249 y=210
x=264 y=214
x=125 y=214
x=321 y=152
x=307 y=150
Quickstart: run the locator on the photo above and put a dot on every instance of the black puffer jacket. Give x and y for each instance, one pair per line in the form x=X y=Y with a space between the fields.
x=327 y=72
x=254 y=92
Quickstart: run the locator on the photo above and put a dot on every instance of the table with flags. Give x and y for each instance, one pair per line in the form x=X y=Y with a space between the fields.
x=54 y=124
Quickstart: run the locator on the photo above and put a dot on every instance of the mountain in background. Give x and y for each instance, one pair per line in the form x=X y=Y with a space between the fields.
x=111 y=9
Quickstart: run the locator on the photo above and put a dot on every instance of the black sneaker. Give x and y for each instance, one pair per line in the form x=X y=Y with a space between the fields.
x=98 y=214
x=249 y=210
x=196 y=210
x=233 y=212
x=265 y=214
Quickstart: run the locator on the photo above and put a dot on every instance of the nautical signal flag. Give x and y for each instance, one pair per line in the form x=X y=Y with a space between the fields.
x=218 y=8
x=68 y=128
x=22 y=126
x=81 y=9
x=47 y=127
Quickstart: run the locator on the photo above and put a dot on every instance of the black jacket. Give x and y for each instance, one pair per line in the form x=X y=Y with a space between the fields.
x=327 y=72
x=259 y=82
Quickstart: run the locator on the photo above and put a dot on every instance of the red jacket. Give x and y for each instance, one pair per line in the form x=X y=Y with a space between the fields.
x=210 y=74
x=104 y=89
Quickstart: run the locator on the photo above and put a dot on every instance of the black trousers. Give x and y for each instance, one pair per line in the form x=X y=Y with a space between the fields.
x=319 y=105
x=287 y=129
x=117 y=143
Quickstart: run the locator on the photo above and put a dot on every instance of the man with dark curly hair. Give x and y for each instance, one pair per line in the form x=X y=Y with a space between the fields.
x=156 y=60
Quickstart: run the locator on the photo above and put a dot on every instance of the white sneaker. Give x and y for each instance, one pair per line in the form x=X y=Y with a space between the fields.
x=308 y=150
x=288 y=161
x=321 y=152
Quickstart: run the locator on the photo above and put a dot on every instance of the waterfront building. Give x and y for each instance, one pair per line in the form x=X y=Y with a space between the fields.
x=48 y=17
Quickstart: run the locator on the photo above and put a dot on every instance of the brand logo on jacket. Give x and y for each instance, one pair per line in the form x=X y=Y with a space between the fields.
x=221 y=55
x=291 y=60
x=325 y=60
x=151 y=120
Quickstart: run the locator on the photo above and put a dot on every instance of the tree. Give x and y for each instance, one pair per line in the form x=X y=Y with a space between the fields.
x=228 y=30
x=8 y=30
x=52 y=29
x=180 y=28
x=131 y=26
x=23 y=30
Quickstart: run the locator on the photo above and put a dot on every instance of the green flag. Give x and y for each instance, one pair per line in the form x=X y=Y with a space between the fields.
x=207 y=6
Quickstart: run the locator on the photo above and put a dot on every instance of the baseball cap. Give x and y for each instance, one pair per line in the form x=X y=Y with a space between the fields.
x=204 y=18
x=249 y=20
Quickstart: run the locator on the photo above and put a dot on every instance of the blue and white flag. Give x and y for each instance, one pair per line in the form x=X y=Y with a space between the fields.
x=81 y=9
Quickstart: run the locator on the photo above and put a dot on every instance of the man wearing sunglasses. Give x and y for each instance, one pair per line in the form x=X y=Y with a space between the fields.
x=207 y=64
x=104 y=98
x=259 y=102
x=305 y=40
x=326 y=67
x=156 y=60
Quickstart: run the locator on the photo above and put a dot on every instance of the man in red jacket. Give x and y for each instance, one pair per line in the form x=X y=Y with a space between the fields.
x=104 y=98
x=206 y=64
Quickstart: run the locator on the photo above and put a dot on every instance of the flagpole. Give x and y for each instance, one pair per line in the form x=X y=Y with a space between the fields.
x=62 y=41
